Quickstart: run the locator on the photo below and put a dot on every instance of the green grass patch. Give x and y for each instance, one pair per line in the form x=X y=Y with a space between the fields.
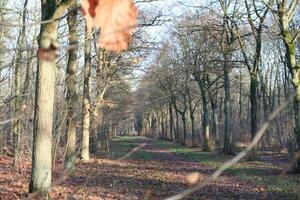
x=141 y=155
x=260 y=173
x=120 y=146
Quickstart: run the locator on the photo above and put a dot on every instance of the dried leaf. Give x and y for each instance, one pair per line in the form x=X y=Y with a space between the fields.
x=116 y=18
x=88 y=8
x=193 y=178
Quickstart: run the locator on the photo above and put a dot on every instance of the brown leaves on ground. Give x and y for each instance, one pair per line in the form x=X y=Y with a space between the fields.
x=162 y=174
x=116 y=18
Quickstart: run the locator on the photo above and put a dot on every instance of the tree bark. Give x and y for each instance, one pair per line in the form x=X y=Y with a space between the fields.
x=253 y=110
x=205 y=117
x=176 y=123
x=171 y=122
x=215 y=129
x=192 y=117
x=227 y=112
x=183 y=141
x=43 y=116
x=293 y=66
x=85 y=154
x=71 y=98
x=17 y=126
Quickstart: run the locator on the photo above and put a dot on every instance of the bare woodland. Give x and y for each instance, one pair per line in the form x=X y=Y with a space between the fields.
x=149 y=99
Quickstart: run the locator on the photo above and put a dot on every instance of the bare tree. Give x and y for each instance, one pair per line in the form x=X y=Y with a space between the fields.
x=71 y=98
x=42 y=135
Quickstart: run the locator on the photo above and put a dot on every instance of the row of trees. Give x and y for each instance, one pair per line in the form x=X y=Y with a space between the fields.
x=79 y=96
x=223 y=70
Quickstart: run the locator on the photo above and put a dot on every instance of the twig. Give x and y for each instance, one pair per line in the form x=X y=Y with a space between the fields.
x=11 y=120
x=41 y=22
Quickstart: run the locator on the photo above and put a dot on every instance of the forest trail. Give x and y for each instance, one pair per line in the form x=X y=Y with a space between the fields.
x=155 y=171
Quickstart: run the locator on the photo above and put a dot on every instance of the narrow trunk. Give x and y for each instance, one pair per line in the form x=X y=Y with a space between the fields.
x=227 y=113
x=85 y=155
x=205 y=115
x=101 y=71
x=213 y=97
x=100 y=129
x=265 y=109
x=205 y=123
x=183 y=141
x=192 y=118
x=215 y=129
x=193 y=129
x=240 y=106
x=71 y=98
x=177 y=126
x=150 y=125
x=171 y=122
x=162 y=125
x=253 y=110
x=17 y=126
x=93 y=130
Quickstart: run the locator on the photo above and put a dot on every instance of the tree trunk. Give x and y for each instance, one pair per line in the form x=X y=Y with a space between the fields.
x=177 y=126
x=163 y=125
x=193 y=129
x=183 y=141
x=213 y=97
x=253 y=110
x=85 y=154
x=191 y=110
x=294 y=69
x=227 y=113
x=43 y=119
x=44 y=98
x=215 y=129
x=93 y=129
x=17 y=126
x=265 y=111
x=71 y=99
x=205 y=114
x=297 y=121
x=240 y=106
x=100 y=131
x=171 y=122
x=205 y=123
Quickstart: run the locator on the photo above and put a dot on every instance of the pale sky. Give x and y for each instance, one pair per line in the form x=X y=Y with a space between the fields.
x=171 y=9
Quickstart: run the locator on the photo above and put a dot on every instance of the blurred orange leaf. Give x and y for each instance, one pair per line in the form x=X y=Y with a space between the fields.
x=116 y=18
x=193 y=178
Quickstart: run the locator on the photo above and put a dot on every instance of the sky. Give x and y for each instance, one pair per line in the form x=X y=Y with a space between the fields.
x=172 y=10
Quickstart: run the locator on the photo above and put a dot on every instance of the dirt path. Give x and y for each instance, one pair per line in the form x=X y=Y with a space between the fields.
x=156 y=173
x=152 y=172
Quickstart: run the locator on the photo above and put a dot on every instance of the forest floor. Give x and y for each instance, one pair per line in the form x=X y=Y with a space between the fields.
x=155 y=170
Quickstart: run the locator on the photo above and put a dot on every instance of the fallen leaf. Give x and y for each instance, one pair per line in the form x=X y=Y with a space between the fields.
x=193 y=178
